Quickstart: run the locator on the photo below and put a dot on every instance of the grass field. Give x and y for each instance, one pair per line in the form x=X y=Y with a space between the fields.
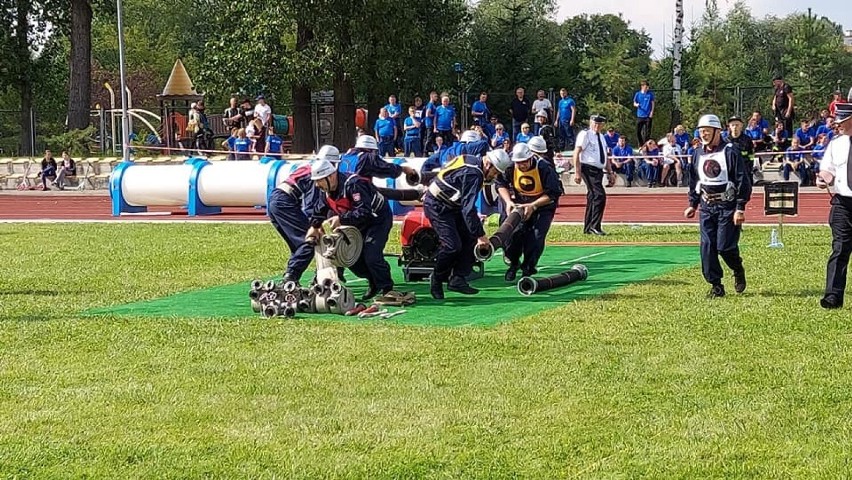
x=652 y=380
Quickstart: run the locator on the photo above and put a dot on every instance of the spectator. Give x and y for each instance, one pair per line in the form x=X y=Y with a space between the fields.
x=420 y=116
x=565 y=115
x=805 y=136
x=385 y=132
x=395 y=114
x=780 y=137
x=644 y=102
x=412 y=134
x=445 y=120
x=761 y=122
x=242 y=145
x=826 y=129
x=520 y=110
x=525 y=135
x=681 y=137
x=491 y=127
x=548 y=133
x=256 y=132
x=671 y=156
x=429 y=119
x=623 y=161
x=273 y=143
x=500 y=139
x=755 y=134
x=541 y=104
x=611 y=138
x=480 y=111
x=819 y=151
x=794 y=161
x=233 y=117
x=48 y=169
x=229 y=144
x=263 y=111
x=439 y=145
x=67 y=168
x=783 y=103
x=650 y=166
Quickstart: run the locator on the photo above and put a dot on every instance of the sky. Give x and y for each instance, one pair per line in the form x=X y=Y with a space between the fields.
x=659 y=24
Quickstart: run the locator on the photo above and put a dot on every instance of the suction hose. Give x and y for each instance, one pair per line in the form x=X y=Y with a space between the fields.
x=501 y=237
x=528 y=285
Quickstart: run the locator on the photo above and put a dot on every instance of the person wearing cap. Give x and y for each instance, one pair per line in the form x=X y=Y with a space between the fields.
x=735 y=135
x=836 y=170
x=291 y=205
x=363 y=160
x=590 y=165
x=530 y=184
x=783 y=103
x=450 y=206
x=263 y=111
x=547 y=132
x=720 y=182
x=352 y=200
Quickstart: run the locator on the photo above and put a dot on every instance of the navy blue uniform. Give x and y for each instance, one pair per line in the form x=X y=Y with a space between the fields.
x=450 y=205
x=368 y=164
x=440 y=158
x=357 y=203
x=720 y=182
x=527 y=187
x=290 y=206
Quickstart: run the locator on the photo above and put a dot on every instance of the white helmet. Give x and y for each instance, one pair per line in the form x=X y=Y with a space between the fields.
x=537 y=144
x=710 y=120
x=521 y=152
x=328 y=152
x=469 y=136
x=366 y=142
x=321 y=169
x=500 y=159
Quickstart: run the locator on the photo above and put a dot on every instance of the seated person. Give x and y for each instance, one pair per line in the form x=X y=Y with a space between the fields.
x=671 y=156
x=649 y=168
x=794 y=161
x=805 y=136
x=611 y=138
x=681 y=137
x=780 y=138
x=525 y=134
x=67 y=168
x=826 y=129
x=819 y=151
x=500 y=137
x=623 y=161
x=48 y=170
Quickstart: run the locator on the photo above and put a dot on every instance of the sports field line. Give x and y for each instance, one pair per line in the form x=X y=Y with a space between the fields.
x=160 y=219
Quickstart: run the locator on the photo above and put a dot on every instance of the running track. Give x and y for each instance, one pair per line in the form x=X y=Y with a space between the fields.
x=621 y=208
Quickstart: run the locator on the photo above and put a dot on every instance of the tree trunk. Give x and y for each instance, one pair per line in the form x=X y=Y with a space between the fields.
x=344 y=110
x=303 y=136
x=79 y=93
x=23 y=83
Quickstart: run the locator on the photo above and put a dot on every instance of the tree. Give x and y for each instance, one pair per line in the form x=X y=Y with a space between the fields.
x=80 y=81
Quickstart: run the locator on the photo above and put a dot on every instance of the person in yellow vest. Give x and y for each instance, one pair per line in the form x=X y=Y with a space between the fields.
x=532 y=185
x=450 y=206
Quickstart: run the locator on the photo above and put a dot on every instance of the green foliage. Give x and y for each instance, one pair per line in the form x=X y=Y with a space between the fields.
x=75 y=142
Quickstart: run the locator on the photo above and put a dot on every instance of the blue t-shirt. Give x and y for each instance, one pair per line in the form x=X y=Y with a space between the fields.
x=823 y=130
x=393 y=109
x=627 y=151
x=500 y=139
x=242 y=144
x=819 y=151
x=804 y=136
x=644 y=100
x=523 y=137
x=481 y=107
x=754 y=133
x=384 y=127
x=274 y=142
x=429 y=110
x=611 y=140
x=411 y=132
x=231 y=140
x=564 y=106
x=444 y=117
x=794 y=154
x=763 y=124
x=682 y=139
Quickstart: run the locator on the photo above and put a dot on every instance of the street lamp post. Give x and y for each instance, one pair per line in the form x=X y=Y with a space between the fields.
x=125 y=127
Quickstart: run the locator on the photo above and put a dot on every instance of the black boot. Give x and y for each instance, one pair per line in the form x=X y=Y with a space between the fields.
x=436 y=288
x=830 y=302
x=460 y=285
x=511 y=272
x=716 y=291
x=740 y=282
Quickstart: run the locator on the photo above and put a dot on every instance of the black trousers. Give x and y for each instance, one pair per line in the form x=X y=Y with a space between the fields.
x=595 y=197
x=643 y=130
x=286 y=214
x=455 y=254
x=529 y=240
x=719 y=238
x=840 y=220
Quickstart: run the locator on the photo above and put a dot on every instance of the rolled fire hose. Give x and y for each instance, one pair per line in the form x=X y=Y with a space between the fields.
x=341 y=247
x=501 y=237
x=401 y=195
x=528 y=285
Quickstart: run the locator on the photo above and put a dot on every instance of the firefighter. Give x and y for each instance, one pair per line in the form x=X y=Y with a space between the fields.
x=352 y=200
x=365 y=161
x=450 y=206
x=291 y=206
x=736 y=136
x=532 y=185
x=720 y=182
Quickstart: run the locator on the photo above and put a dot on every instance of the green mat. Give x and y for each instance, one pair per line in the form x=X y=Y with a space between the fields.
x=610 y=267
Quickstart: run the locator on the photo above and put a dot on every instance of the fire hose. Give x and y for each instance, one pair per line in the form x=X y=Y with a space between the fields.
x=528 y=285
x=342 y=247
x=402 y=195
x=501 y=237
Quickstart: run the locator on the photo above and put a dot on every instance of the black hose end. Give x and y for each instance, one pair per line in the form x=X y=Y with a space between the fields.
x=584 y=272
x=527 y=286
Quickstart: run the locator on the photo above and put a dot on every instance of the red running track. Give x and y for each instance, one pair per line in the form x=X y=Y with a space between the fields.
x=621 y=208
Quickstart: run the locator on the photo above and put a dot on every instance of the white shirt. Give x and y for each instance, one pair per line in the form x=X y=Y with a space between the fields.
x=543 y=104
x=590 y=149
x=263 y=112
x=836 y=162
x=670 y=153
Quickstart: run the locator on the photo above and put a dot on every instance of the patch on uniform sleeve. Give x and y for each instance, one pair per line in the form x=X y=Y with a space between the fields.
x=356 y=196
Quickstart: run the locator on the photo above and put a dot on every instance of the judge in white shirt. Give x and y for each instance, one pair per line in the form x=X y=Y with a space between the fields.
x=590 y=165
x=835 y=169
